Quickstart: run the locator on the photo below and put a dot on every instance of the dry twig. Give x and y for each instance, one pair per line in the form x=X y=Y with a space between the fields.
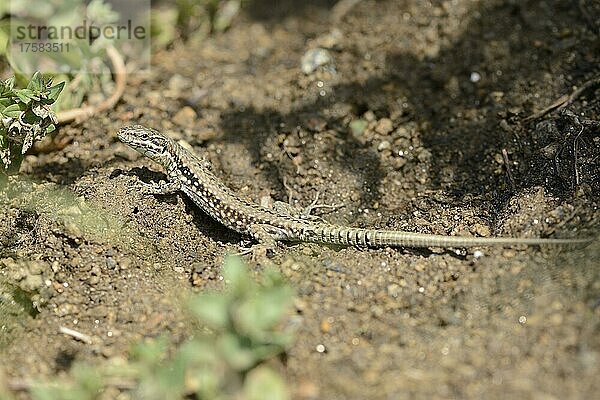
x=565 y=100
x=75 y=334
x=83 y=113
x=508 y=169
x=80 y=114
x=581 y=124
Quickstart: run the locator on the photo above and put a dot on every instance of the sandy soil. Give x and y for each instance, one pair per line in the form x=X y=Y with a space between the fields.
x=440 y=90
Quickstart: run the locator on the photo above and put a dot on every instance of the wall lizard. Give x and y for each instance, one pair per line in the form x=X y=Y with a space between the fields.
x=193 y=176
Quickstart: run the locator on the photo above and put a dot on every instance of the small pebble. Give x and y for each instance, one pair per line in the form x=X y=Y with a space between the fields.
x=384 y=145
x=370 y=116
x=481 y=230
x=393 y=290
x=384 y=126
x=315 y=58
x=111 y=263
x=125 y=263
x=178 y=84
x=325 y=326
x=185 y=117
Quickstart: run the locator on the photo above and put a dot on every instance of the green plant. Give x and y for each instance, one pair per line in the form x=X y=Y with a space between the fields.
x=192 y=15
x=237 y=331
x=244 y=318
x=80 y=62
x=26 y=116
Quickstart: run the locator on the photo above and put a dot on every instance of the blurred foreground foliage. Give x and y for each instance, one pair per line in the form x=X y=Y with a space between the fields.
x=236 y=332
x=191 y=19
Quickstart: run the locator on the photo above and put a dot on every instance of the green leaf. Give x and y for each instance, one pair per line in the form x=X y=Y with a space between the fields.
x=202 y=362
x=259 y=315
x=263 y=383
x=150 y=352
x=263 y=352
x=29 y=117
x=236 y=351
x=227 y=11
x=9 y=83
x=211 y=309
x=25 y=95
x=12 y=111
x=199 y=352
x=45 y=392
x=36 y=83
x=236 y=276
x=55 y=90
x=88 y=381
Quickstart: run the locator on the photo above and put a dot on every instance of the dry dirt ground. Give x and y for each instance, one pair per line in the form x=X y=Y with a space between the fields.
x=436 y=92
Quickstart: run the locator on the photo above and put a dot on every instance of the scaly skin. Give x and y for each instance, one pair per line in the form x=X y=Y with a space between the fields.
x=193 y=176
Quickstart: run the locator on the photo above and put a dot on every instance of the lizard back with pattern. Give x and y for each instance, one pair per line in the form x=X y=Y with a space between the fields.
x=193 y=175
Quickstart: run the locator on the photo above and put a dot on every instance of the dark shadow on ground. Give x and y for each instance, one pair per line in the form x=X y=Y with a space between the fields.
x=252 y=129
x=62 y=173
x=464 y=125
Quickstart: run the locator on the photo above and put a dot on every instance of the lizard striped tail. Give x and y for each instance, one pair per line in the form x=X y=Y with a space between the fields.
x=361 y=237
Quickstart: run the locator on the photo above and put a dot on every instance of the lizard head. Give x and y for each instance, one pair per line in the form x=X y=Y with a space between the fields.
x=147 y=141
